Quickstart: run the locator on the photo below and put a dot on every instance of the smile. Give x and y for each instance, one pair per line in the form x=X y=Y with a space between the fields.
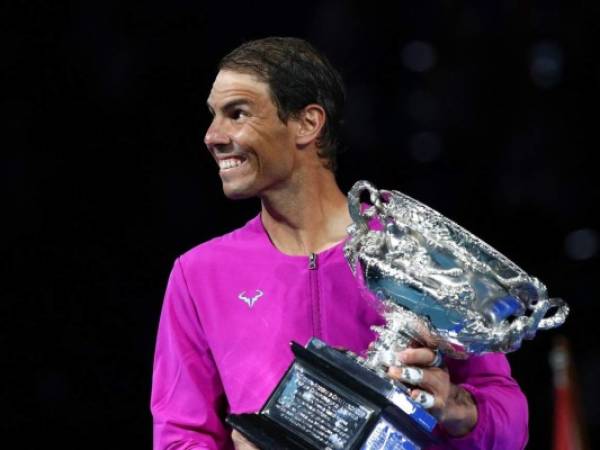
x=231 y=163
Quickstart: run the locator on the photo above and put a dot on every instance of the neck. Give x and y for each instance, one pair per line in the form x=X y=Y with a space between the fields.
x=306 y=216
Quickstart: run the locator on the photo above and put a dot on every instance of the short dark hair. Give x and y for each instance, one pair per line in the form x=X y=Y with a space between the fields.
x=297 y=75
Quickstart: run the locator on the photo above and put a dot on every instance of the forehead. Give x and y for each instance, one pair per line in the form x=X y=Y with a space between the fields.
x=229 y=84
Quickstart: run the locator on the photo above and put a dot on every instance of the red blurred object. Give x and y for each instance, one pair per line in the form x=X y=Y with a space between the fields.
x=568 y=427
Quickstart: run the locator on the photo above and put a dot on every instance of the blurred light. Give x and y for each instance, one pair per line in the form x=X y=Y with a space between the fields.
x=422 y=106
x=418 y=56
x=546 y=64
x=581 y=244
x=425 y=146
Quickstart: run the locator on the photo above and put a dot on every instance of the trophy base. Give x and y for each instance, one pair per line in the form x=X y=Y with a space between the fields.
x=326 y=400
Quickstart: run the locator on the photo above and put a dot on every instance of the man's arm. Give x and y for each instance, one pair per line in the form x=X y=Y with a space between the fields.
x=501 y=405
x=477 y=402
x=188 y=402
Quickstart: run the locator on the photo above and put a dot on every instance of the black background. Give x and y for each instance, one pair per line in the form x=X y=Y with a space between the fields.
x=106 y=178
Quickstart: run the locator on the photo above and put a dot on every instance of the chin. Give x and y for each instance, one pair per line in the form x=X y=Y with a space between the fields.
x=238 y=193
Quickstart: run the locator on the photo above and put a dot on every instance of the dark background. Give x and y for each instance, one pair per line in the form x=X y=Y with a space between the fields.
x=486 y=111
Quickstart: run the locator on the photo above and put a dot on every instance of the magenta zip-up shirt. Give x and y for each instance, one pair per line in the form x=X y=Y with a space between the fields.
x=232 y=306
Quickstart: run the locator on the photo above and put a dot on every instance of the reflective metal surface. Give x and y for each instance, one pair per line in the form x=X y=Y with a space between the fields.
x=437 y=283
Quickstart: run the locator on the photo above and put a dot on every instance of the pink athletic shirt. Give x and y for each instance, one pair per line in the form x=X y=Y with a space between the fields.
x=231 y=308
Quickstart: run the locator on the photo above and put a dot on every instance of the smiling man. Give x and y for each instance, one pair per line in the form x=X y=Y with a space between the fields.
x=252 y=146
x=234 y=303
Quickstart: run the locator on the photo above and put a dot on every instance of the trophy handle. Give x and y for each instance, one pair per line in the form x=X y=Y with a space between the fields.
x=559 y=316
x=376 y=198
x=525 y=327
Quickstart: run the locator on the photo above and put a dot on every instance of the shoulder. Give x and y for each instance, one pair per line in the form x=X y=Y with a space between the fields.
x=227 y=245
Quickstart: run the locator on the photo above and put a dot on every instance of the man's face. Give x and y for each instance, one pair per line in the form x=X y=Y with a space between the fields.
x=254 y=149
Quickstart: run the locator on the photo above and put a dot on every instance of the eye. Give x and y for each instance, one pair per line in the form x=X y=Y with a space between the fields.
x=238 y=114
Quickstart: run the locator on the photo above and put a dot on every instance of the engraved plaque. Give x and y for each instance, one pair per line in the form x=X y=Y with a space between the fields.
x=319 y=408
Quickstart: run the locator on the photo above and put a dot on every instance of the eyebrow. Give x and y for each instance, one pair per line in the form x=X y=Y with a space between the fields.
x=232 y=104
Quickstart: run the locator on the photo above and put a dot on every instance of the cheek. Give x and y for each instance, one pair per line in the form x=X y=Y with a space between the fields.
x=255 y=139
x=243 y=137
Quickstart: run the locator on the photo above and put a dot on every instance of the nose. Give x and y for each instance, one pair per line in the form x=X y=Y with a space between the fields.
x=216 y=135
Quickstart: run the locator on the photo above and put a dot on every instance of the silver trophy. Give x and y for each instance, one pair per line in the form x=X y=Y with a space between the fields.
x=437 y=284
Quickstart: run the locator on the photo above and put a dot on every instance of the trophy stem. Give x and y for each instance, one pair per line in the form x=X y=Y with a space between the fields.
x=393 y=337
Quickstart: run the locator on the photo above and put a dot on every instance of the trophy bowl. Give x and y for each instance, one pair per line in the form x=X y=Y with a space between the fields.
x=438 y=284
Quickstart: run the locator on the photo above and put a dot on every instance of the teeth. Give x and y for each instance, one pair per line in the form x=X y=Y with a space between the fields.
x=229 y=163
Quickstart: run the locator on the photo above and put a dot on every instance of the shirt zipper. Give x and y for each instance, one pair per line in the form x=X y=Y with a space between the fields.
x=312 y=261
x=314 y=293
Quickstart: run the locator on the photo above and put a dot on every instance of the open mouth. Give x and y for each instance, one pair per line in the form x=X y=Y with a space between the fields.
x=231 y=162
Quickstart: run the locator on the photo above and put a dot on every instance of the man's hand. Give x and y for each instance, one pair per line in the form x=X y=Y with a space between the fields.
x=453 y=406
x=240 y=442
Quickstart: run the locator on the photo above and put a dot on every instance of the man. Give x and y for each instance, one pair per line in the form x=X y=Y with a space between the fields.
x=234 y=303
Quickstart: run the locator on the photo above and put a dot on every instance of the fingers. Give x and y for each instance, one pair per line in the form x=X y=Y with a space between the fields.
x=424 y=398
x=407 y=374
x=240 y=442
x=426 y=386
x=422 y=356
x=429 y=386
x=433 y=379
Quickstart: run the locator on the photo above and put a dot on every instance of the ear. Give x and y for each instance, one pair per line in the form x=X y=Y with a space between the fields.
x=310 y=123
